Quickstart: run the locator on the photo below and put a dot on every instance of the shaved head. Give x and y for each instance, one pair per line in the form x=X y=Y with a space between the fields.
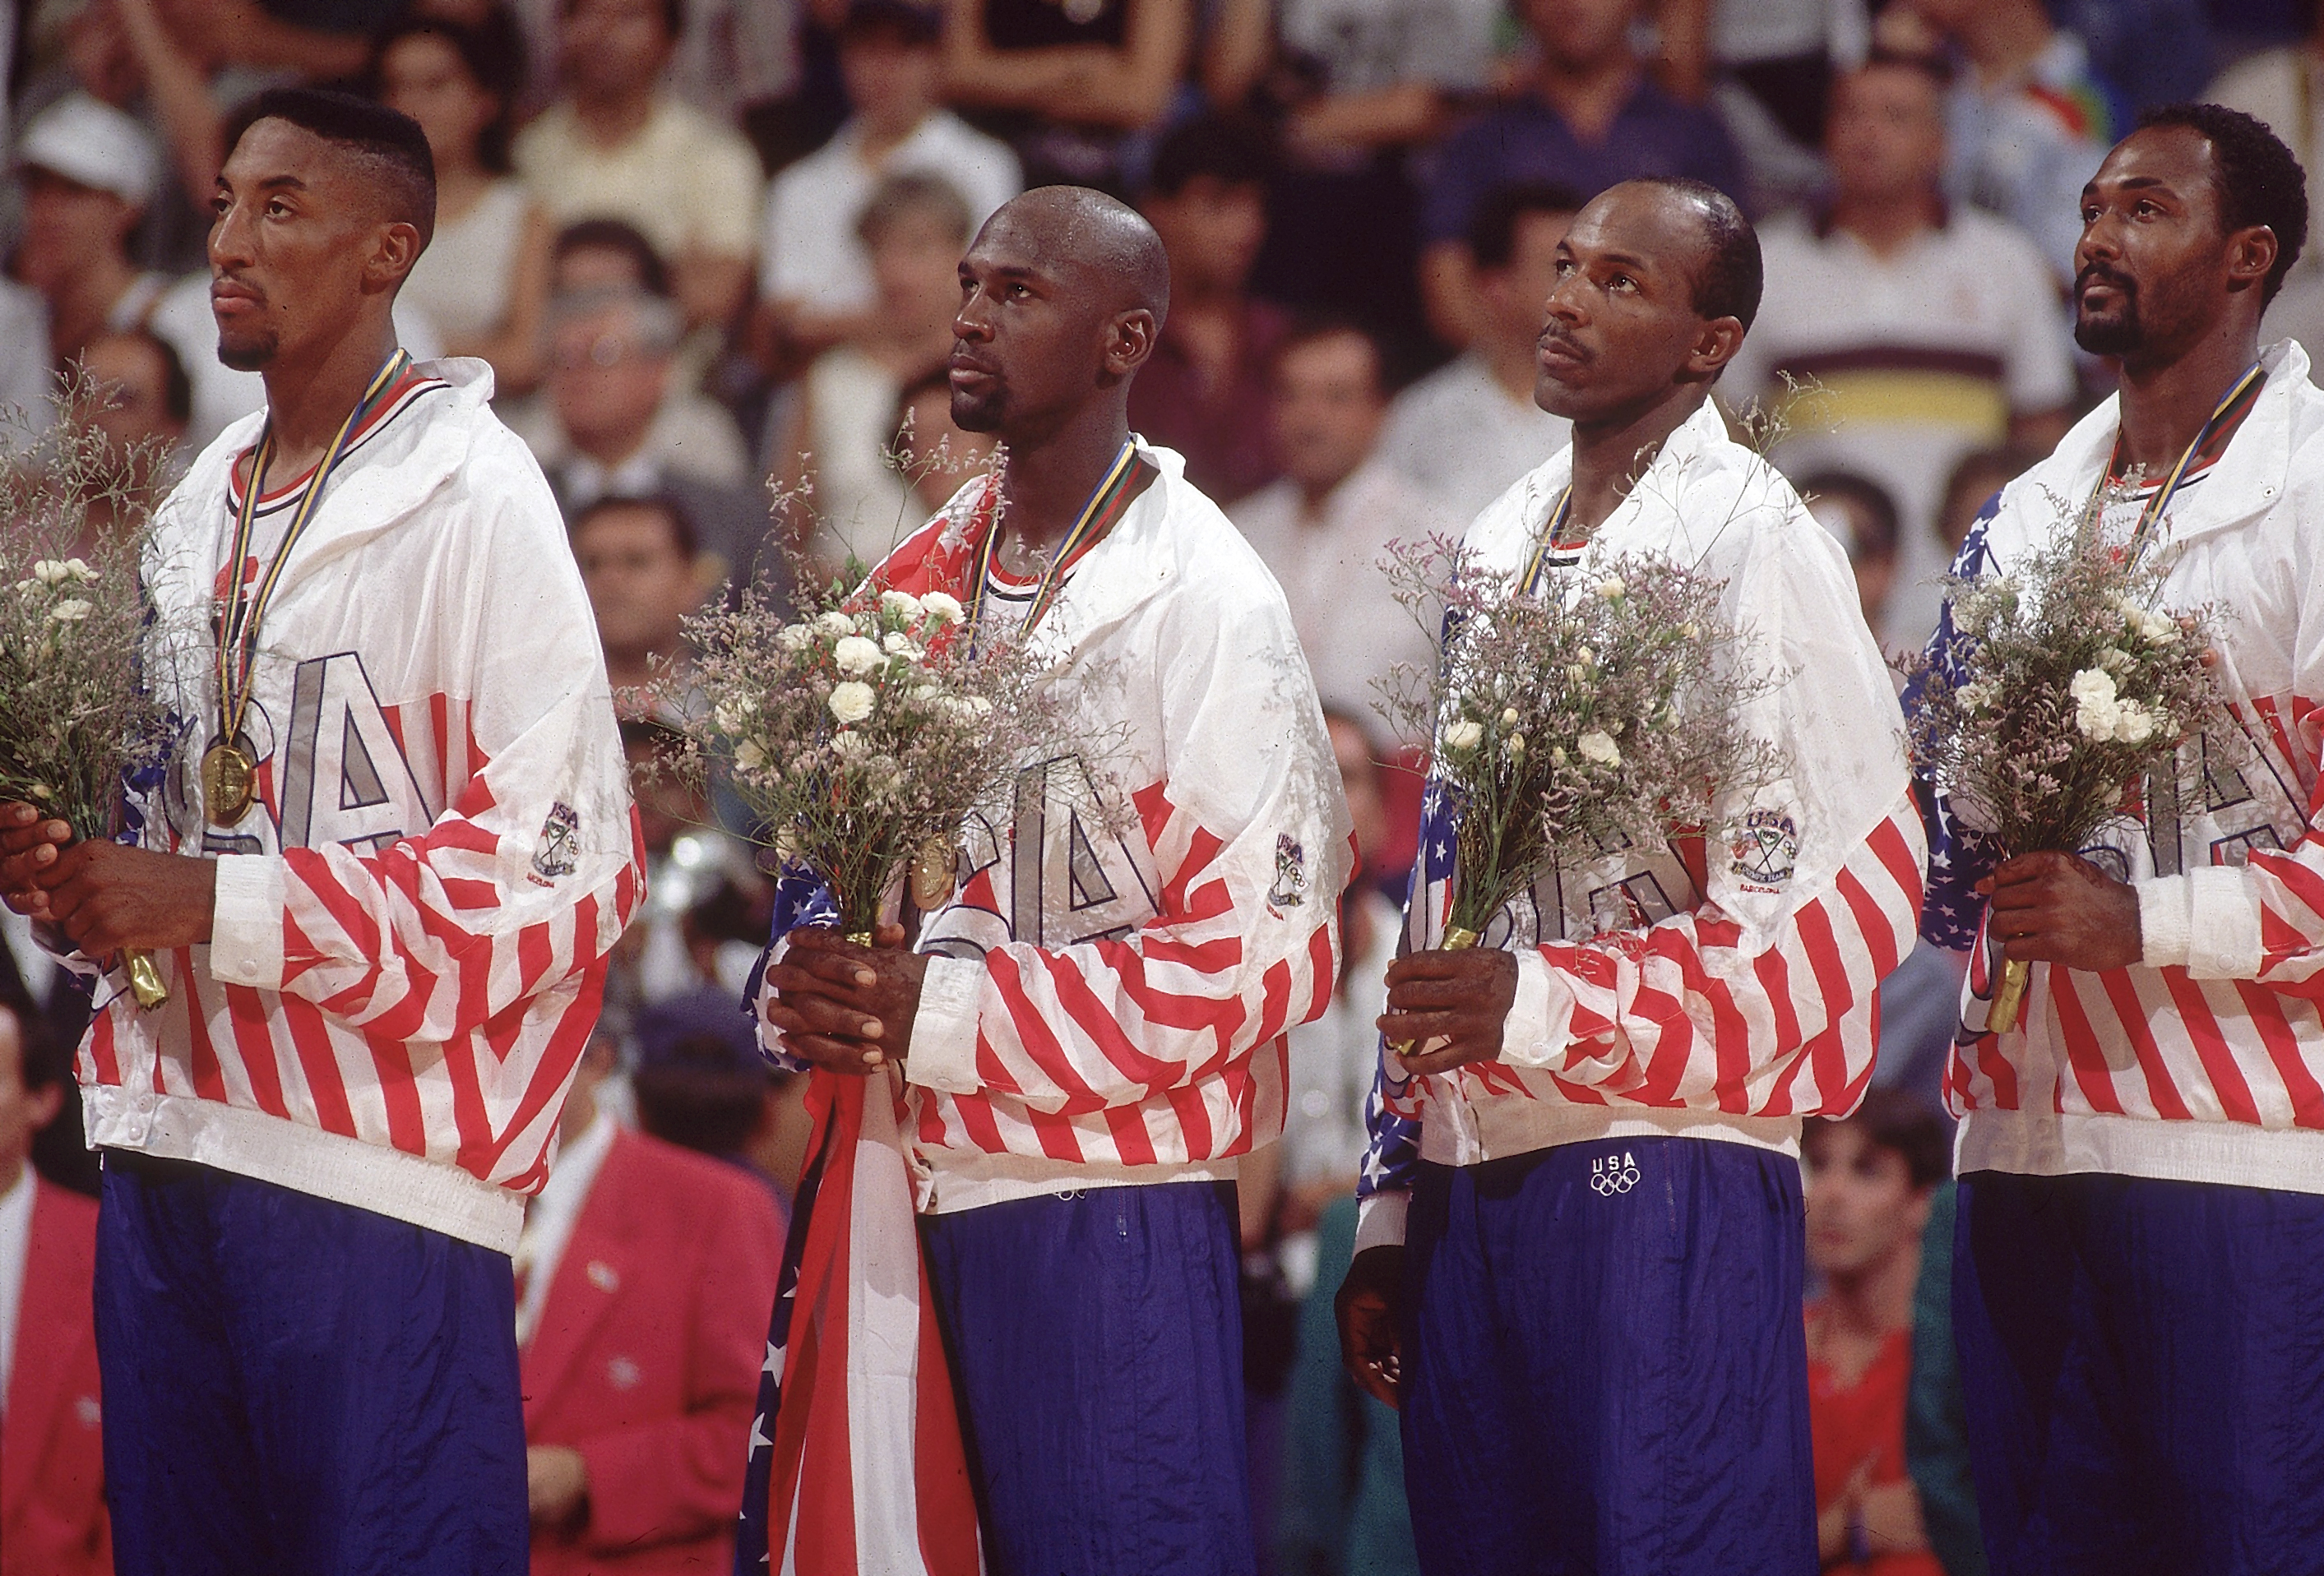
x=1108 y=242
x=1063 y=294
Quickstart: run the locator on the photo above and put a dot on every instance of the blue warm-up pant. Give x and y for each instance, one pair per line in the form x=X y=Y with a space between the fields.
x=1096 y=1342
x=2142 y=1367
x=297 y=1386
x=1604 y=1364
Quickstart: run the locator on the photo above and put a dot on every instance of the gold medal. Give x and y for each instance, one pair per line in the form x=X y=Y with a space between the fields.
x=932 y=873
x=229 y=780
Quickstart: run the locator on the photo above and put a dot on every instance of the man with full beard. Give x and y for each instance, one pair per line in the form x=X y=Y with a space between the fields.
x=2139 y=1262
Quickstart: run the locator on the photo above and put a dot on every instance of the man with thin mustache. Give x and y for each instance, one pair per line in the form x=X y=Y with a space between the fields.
x=2139 y=1255
x=1578 y=1267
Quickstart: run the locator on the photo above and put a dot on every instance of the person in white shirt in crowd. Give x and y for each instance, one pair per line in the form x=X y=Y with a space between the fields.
x=484 y=281
x=618 y=145
x=834 y=443
x=1470 y=429
x=1929 y=328
x=1862 y=518
x=1325 y=528
x=818 y=284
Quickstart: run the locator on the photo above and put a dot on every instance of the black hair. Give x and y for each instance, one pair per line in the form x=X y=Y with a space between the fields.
x=1227 y=148
x=1902 y=1123
x=2259 y=181
x=1493 y=224
x=613 y=236
x=673 y=15
x=492 y=52
x=683 y=535
x=1314 y=328
x=1728 y=282
x=1879 y=509
x=388 y=141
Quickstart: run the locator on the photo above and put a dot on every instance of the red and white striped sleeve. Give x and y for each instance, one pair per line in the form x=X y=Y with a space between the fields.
x=1249 y=834
x=1765 y=1016
x=2263 y=921
x=1760 y=1000
x=523 y=882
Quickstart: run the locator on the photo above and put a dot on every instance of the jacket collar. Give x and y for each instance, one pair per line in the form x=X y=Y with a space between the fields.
x=389 y=476
x=2245 y=482
x=1130 y=566
x=1695 y=441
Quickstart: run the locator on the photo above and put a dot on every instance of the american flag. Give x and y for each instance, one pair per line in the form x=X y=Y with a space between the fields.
x=857 y=1465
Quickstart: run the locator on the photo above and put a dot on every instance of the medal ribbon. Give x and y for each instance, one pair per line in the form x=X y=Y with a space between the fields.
x=2151 y=515
x=1548 y=542
x=1105 y=506
x=238 y=635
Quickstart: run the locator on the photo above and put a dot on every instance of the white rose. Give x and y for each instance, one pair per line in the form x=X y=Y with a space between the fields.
x=1611 y=588
x=1464 y=734
x=749 y=756
x=847 y=746
x=852 y=701
x=834 y=624
x=2134 y=724
x=900 y=645
x=70 y=611
x=1516 y=743
x=2095 y=712
x=946 y=609
x=50 y=571
x=1598 y=747
x=855 y=656
x=902 y=603
x=1510 y=717
x=1586 y=657
x=77 y=569
x=794 y=638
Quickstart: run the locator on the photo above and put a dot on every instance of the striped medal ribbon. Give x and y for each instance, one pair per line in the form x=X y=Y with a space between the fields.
x=2151 y=515
x=1098 y=516
x=1549 y=541
x=229 y=771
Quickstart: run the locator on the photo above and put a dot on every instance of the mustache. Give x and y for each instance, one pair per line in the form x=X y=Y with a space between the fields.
x=1557 y=334
x=2099 y=274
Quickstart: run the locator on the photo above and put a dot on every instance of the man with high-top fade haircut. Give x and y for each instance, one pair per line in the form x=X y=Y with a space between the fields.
x=380 y=877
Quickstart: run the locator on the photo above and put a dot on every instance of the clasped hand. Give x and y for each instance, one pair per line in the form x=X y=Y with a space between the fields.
x=842 y=1007
x=1449 y=1006
x=2058 y=908
x=104 y=896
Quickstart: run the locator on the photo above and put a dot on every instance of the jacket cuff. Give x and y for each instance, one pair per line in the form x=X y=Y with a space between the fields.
x=1541 y=1019
x=2205 y=921
x=943 y=1057
x=246 y=932
x=1380 y=1220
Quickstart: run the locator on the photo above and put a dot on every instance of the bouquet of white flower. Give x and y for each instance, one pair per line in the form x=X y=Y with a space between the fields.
x=1593 y=714
x=863 y=734
x=76 y=718
x=2059 y=687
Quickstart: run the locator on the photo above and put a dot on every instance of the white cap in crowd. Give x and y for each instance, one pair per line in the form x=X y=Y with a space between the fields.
x=93 y=144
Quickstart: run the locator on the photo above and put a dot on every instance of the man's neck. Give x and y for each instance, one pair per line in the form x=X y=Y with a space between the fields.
x=1610 y=456
x=611 y=121
x=2164 y=405
x=1589 y=96
x=16 y=1172
x=1887 y=225
x=1874 y=1301
x=1315 y=497
x=307 y=402
x=610 y=450
x=2003 y=41
x=874 y=140
x=1044 y=485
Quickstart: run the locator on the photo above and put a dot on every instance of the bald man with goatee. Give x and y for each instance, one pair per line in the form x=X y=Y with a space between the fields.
x=1090 y=1027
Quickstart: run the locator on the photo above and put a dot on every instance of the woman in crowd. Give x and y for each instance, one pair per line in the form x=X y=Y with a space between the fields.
x=1069 y=82
x=484 y=280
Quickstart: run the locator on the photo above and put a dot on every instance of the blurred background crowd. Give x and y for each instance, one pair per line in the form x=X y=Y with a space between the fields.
x=708 y=247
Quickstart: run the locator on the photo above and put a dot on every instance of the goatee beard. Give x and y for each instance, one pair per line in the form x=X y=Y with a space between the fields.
x=251 y=355
x=2115 y=336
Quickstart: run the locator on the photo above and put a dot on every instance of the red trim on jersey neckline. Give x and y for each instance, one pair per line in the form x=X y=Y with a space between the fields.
x=397 y=397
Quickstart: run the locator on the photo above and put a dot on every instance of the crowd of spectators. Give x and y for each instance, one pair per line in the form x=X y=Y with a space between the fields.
x=707 y=247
